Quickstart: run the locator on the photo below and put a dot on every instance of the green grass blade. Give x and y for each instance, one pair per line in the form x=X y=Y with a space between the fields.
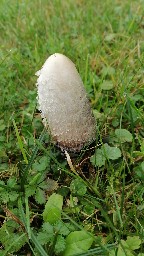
x=20 y=142
x=38 y=245
x=117 y=209
x=33 y=237
x=27 y=218
x=98 y=251
x=35 y=151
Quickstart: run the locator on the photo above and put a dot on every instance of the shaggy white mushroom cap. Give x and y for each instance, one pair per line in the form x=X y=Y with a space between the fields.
x=64 y=104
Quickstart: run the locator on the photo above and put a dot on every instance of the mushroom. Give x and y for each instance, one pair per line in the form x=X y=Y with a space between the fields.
x=64 y=104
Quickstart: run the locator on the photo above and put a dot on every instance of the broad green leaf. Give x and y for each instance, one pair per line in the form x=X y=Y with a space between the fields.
x=53 y=208
x=60 y=244
x=12 y=182
x=13 y=196
x=112 y=153
x=115 y=122
x=98 y=159
x=77 y=242
x=89 y=209
x=41 y=165
x=40 y=196
x=97 y=114
x=11 y=241
x=105 y=152
x=77 y=187
x=107 y=85
x=47 y=234
x=123 y=135
x=4 y=196
x=108 y=71
x=121 y=252
x=62 y=228
x=43 y=238
x=47 y=227
x=133 y=242
x=2 y=125
x=30 y=190
x=51 y=185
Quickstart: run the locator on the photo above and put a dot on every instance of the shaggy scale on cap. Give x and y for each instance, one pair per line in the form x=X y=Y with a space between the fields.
x=64 y=104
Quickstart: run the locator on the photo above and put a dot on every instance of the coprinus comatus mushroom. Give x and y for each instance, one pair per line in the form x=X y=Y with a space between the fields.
x=64 y=104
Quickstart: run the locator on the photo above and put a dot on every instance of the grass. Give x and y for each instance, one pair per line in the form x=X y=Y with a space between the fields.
x=102 y=191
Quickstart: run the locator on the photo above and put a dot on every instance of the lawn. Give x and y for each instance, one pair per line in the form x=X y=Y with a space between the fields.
x=91 y=202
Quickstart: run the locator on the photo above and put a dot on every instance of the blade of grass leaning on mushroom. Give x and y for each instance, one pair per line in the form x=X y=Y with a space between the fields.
x=64 y=104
